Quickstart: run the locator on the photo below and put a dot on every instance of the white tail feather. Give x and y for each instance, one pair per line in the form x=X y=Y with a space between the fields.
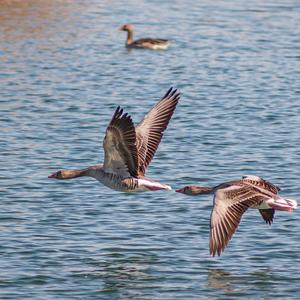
x=153 y=185
x=282 y=204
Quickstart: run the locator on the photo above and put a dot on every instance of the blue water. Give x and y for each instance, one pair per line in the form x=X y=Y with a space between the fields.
x=63 y=71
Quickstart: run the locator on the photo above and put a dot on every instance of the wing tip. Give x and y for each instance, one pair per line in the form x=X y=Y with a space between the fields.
x=172 y=92
x=269 y=221
x=120 y=115
x=118 y=112
x=216 y=250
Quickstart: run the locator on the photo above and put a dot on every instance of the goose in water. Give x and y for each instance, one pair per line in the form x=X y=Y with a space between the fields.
x=232 y=199
x=146 y=43
x=129 y=150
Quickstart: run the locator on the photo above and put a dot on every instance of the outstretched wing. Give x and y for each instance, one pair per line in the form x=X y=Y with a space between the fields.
x=120 y=146
x=230 y=203
x=150 y=130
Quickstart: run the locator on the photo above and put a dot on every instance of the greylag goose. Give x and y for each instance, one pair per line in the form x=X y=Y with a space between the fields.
x=232 y=199
x=129 y=150
x=146 y=43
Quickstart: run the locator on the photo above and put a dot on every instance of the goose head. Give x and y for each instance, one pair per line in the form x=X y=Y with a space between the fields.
x=126 y=27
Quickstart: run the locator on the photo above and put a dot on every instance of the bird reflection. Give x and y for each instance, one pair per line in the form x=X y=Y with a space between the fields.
x=124 y=275
x=219 y=279
x=239 y=283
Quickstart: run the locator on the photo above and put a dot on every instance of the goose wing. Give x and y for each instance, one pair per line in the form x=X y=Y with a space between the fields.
x=261 y=183
x=120 y=146
x=267 y=215
x=230 y=203
x=150 y=130
x=148 y=42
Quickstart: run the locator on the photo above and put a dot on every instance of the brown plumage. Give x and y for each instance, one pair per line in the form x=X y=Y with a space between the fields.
x=150 y=130
x=120 y=145
x=144 y=43
x=132 y=148
x=231 y=201
x=129 y=150
x=268 y=215
x=261 y=183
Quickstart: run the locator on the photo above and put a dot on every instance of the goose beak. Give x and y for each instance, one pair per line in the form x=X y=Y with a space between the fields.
x=120 y=28
x=179 y=190
x=54 y=175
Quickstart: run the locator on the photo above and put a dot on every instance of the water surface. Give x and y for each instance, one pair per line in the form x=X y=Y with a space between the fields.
x=63 y=71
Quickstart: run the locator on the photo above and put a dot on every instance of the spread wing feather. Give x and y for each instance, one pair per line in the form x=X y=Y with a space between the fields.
x=150 y=130
x=120 y=146
x=230 y=203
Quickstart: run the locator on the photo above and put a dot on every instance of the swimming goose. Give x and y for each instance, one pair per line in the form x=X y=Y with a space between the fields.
x=146 y=43
x=232 y=199
x=129 y=150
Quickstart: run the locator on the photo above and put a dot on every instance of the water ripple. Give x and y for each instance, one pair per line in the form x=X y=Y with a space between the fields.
x=64 y=69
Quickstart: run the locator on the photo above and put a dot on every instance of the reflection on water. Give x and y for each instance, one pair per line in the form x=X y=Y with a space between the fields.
x=26 y=22
x=121 y=275
x=125 y=274
x=64 y=69
x=30 y=19
x=233 y=283
x=219 y=279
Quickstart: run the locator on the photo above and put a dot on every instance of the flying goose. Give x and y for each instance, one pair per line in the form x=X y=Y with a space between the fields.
x=146 y=43
x=232 y=199
x=129 y=150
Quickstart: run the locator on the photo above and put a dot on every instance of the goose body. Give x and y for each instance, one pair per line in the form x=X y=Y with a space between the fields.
x=144 y=43
x=129 y=150
x=231 y=201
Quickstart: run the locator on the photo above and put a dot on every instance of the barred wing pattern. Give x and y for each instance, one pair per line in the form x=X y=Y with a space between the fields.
x=150 y=130
x=230 y=203
x=266 y=186
x=261 y=183
x=120 y=146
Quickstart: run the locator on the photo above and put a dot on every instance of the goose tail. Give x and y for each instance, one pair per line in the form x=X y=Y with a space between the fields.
x=283 y=204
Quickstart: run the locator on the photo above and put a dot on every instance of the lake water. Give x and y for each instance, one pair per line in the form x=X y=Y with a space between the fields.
x=63 y=71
